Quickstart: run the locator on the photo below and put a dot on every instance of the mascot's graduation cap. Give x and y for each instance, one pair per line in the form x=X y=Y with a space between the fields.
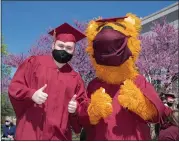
x=125 y=18
x=111 y=19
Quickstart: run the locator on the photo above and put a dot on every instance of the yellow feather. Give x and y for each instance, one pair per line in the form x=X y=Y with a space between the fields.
x=132 y=98
x=100 y=106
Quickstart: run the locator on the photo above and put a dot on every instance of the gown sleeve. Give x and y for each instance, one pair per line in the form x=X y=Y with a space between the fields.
x=20 y=91
x=151 y=95
x=19 y=87
x=79 y=119
x=140 y=97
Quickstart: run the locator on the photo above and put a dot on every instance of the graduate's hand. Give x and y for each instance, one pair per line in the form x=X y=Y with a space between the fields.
x=39 y=97
x=11 y=137
x=72 y=106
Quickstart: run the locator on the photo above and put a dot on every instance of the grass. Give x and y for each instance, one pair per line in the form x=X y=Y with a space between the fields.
x=75 y=137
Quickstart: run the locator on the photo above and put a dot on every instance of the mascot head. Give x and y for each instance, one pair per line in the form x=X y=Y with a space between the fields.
x=113 y=47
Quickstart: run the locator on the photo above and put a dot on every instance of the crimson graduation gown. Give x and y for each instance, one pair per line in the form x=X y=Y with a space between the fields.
x=122 y=124
x=51 y=120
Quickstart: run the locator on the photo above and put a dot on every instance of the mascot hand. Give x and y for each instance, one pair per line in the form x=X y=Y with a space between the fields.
x=100 y=106
x=131 y=97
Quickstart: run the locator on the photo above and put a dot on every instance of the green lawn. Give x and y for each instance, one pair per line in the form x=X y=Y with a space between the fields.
x=75 y=137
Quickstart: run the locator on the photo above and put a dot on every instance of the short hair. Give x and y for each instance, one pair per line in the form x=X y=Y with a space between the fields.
x=8 y=118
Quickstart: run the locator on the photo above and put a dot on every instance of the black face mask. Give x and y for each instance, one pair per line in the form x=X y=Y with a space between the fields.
x=61 y=56
x=169 y=104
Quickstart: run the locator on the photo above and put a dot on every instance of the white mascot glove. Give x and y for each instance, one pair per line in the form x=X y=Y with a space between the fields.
x=72 y=106
x=39 y=97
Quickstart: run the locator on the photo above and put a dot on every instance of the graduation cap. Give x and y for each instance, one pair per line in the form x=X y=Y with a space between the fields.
x=67 y=33
x=125 y=18
x=110 y=19
x=170 y=96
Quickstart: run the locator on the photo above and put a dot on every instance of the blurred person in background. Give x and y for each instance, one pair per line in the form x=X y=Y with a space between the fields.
x=14 y=121
x=8 y=129
x=168 y=100
x=172 y=132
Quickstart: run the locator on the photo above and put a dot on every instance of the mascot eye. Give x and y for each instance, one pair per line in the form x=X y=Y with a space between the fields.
x=107 y=27
x=118 y=24
x=100 y=27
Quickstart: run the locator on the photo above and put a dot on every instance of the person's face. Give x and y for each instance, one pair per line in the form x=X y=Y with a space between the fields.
x=7 y=122
x=170 y=102
x=67 y=46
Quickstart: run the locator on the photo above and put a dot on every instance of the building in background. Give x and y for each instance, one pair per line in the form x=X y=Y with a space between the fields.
x=170 y=12
x=172 y=17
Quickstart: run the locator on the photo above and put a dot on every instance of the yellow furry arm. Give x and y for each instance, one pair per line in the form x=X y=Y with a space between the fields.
x=132 y=98
x=100 y=106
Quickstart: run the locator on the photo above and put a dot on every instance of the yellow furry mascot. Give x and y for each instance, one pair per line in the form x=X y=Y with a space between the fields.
x=122 y=101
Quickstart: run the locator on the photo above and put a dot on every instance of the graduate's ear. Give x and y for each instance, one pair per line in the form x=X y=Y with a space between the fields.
x=53 y=45
x=74 y=49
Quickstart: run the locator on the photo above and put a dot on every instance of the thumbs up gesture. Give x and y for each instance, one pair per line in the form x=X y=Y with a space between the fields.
x=72 y=106
x=39 y=96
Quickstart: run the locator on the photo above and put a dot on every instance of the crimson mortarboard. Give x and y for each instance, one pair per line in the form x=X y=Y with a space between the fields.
x=67 y=33
x=110 y=19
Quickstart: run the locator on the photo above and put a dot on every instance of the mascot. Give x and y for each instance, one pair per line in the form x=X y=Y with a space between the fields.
x=122 y=101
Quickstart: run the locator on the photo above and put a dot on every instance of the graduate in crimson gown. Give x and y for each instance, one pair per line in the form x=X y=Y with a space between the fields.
x=45 y=91
x=168 y=110
x=114 y=47
x=171 y=133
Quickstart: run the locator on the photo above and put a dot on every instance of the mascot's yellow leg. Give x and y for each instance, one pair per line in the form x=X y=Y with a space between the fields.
x=100 y=106
x=132 y=98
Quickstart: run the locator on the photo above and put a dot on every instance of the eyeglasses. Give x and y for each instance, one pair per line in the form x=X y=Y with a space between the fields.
x=7 y=121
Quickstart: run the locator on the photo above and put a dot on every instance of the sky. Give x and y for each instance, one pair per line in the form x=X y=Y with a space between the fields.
x=23 y=22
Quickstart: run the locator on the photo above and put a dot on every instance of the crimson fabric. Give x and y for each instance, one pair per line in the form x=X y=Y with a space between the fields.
x=167 y=111
x=169 y=95
x=67 y=33
x=164 y=122
x=122 y=124
x=169 y=134
x=110 y=19
x=50 y=121
x=110 y=48
x=66 y=38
